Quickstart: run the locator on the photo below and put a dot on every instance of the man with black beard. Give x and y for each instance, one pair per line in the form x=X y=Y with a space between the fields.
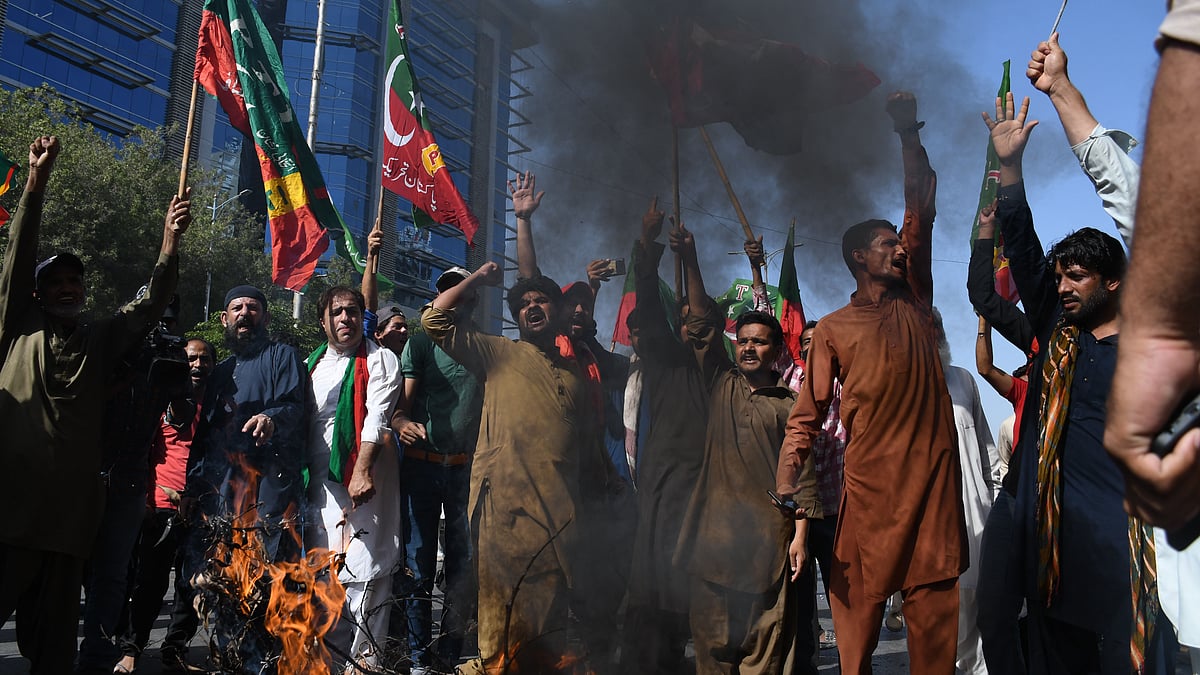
x=254 y=417
x=253 y=422
x=1080 y=547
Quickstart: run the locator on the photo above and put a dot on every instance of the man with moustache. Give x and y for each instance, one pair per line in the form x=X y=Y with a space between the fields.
x=54 y=369
x=163 y=529
x=538 y=455
x=1080 y=547
x=354 y=474
x=893 y=535
x=254 y=415
x=751 y=587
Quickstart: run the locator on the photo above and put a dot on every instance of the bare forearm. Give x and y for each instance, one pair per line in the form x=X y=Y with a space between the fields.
x=526 y=254
x=1077 y=119
x=368 y=453
x=1163 y=283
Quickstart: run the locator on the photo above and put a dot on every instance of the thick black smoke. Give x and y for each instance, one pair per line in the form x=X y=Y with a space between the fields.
x=602 y=140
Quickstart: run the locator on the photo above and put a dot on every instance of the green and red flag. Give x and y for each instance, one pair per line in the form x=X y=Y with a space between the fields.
x=236 y=61
x=1005 y=285
x=8 y=169
x=413 y=167
x=666 y=296
x=790 y=310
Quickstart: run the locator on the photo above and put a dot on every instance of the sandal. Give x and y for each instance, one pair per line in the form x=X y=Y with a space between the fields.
x=827 y=640
x=126 y=666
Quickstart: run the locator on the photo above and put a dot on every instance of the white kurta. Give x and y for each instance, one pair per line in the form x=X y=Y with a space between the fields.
x=1179 y=589
x=980 y=470
x=370 y=535
x=977 y=455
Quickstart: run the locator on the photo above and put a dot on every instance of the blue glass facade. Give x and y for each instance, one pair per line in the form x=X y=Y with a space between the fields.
x=112 y=58
x=454 y=45
x=120 y=62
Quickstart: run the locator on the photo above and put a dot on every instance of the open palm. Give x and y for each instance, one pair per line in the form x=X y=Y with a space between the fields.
x=1009 y=132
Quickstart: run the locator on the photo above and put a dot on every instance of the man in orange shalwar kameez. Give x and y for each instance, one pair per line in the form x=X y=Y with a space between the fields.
x=900 y=525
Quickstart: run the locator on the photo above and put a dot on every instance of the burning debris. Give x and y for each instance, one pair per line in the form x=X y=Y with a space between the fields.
x=266 y=615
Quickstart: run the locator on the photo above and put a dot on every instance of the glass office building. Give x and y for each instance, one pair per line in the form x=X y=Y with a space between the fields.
x=130 y=63
x=464 y=53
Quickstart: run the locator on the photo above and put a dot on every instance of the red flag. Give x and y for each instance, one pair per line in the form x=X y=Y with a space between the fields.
x=791 y=314
x=241 y=68
x=620 y=332
x=762 y=87
x=412 y=162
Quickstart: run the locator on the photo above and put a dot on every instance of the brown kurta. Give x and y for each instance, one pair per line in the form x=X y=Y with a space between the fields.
x=732 y=533
x=902 y=476
x=537 y=436
x=676 y=397
x=734 y=541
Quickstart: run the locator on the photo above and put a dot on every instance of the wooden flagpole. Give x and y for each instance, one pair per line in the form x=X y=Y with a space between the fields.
x=187 y=141
x=737 y=205
x=373 y=261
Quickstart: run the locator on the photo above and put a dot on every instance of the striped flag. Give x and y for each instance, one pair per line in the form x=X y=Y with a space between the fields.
x=8 y=169
x=1005 y=285
x=236 y=61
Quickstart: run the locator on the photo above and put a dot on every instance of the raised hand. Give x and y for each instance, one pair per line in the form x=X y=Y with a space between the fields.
x=1047 y=69
x=754 y=251
x=524 y=196
x=599 y=271
x=987 y=221
x=43 y=151
x=1010 y=133
x=490 y=274
x=652 y=222
x=902 y=107
x=179 y=214
x=374 y=242
x=681 y=239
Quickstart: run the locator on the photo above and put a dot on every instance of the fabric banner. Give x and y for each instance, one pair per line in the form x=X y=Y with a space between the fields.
x=413 y=167
x=1005 y=285
x=236 y=61
x=8 y=173
x=791 y=309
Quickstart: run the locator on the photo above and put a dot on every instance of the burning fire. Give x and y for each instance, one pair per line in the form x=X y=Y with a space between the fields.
x=303 y=599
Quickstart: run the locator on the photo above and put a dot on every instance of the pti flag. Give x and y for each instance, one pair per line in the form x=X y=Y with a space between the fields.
x=413 y=167
x=8 y=173
x=791 y=310
x=666 y=299
x=1005 y=285
x=236 y=61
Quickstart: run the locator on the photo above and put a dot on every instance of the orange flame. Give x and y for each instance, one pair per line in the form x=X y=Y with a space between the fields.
x=305 y=598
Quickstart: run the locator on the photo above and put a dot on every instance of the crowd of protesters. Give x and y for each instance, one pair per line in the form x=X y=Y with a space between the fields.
x=598 y=512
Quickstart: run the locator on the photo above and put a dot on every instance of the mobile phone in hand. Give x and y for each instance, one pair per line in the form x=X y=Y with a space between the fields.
x=788 y=506
x=615 y=267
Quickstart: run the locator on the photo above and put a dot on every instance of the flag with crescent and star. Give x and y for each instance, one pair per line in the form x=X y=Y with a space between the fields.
x=236 y=61
x=1005 y=286
x=413 y=167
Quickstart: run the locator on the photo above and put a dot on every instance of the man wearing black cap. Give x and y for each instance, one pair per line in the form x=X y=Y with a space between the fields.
x=254 y=415
x=53 y=370
x=437 y=422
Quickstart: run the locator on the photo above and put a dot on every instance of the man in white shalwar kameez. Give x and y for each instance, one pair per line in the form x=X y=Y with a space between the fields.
x=980 y=468
x=353 y=488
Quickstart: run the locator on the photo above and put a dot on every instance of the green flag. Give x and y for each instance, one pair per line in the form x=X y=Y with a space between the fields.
x=987 y=194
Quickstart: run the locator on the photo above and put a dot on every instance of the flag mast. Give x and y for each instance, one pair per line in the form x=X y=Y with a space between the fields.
x=311 y=136
x=737 y=205
x=187 y=140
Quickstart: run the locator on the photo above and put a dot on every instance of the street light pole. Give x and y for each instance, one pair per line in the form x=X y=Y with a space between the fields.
x=208 y=281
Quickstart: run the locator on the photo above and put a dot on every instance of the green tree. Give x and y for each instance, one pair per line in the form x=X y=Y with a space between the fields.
x=106 y=202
